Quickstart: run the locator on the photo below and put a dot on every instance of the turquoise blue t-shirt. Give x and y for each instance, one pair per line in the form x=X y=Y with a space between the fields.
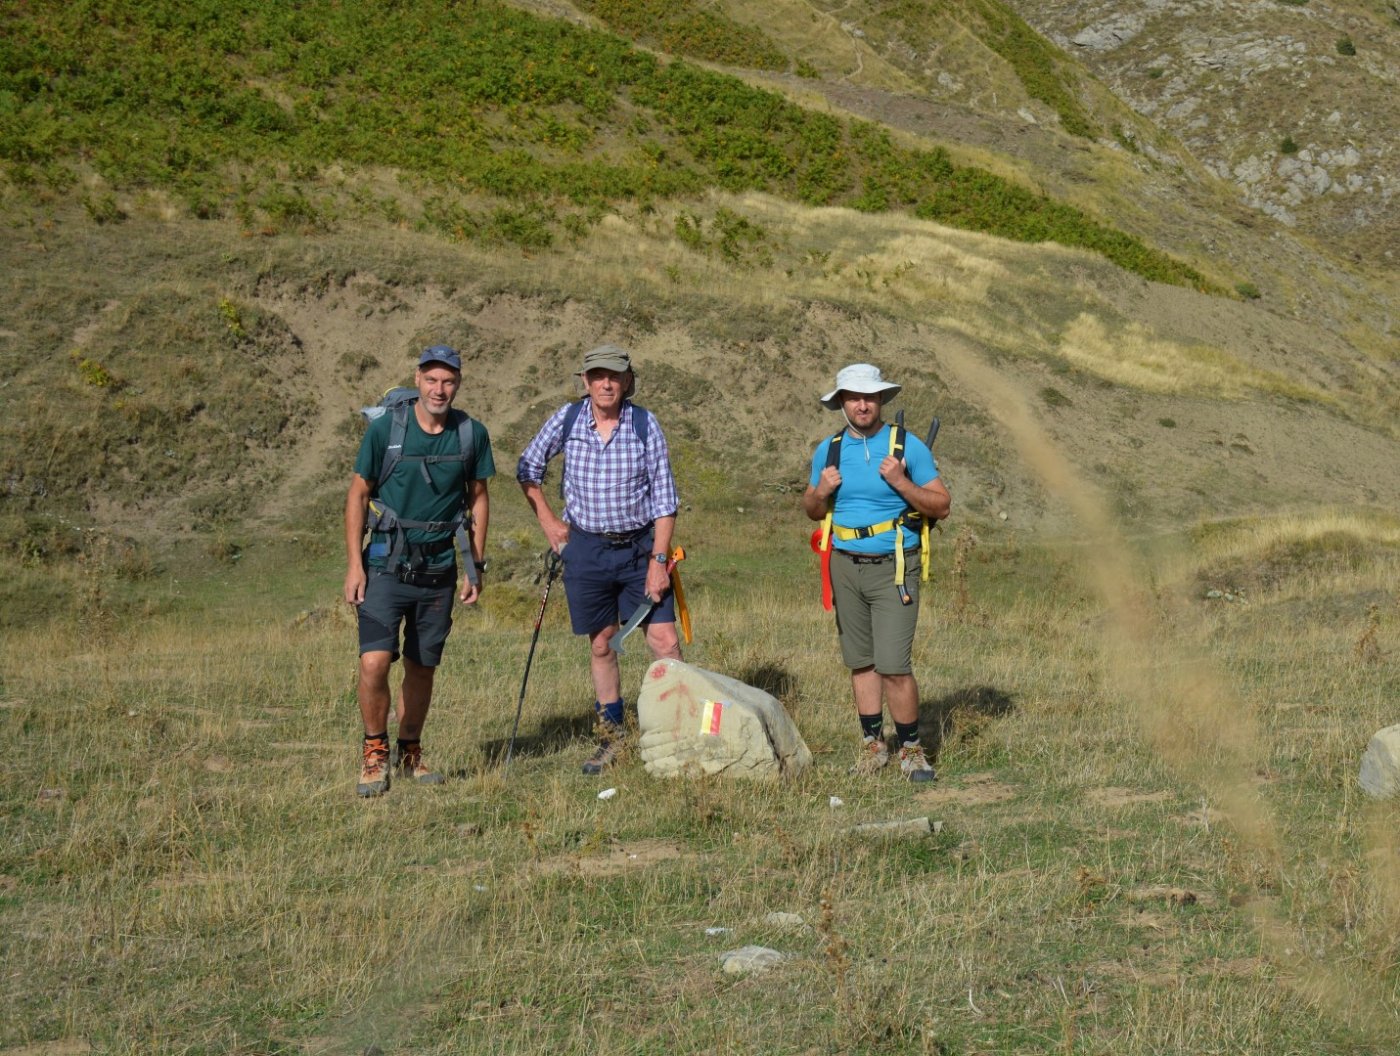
x=407 y=493
x=863 y=497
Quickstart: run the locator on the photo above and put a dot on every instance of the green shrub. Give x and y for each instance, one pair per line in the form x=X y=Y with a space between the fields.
x=93 y=372
x=685 y=27
x=1345 y=46
x=233 y=318
x=1288 y=145
x=1055 y=398
x=1247 y=290
x=103 y=209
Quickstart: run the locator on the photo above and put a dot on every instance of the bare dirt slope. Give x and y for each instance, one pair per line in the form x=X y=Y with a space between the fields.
x=749 y=406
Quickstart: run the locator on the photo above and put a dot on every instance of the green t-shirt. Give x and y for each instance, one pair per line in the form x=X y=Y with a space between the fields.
x=407 y=493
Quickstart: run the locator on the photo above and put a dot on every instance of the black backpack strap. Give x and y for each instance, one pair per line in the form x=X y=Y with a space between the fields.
x=641 y=425
x=393 y=452
x=833 y=451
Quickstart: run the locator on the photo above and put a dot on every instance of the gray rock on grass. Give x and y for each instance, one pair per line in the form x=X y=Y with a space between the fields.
x=1380 y=766
x=696 y=722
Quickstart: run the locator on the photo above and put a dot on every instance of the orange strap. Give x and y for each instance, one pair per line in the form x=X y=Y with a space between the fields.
x=682 y=609
x=821 y=544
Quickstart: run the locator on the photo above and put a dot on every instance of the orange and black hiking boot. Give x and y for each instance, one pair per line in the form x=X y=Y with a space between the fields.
x=374 y=772
x=411 y=764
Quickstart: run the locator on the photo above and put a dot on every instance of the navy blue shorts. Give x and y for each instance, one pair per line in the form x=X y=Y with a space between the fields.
x=424 y=612
x=605 y=582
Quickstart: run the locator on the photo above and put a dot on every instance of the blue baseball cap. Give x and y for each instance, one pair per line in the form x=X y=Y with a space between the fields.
x=443 y=354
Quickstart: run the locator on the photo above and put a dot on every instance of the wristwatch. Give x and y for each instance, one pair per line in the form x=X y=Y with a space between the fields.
x=660 y=559
x=480 y=565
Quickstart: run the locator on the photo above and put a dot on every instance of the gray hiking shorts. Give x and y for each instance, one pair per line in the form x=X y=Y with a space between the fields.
x=425 y=614
x=875 y=629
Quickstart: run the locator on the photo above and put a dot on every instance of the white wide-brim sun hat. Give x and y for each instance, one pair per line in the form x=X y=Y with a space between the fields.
x=859 y=377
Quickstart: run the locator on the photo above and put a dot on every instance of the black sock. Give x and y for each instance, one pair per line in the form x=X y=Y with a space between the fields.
x=872 y=725
x=408 y=744
x=378 y=736
x=908 y=733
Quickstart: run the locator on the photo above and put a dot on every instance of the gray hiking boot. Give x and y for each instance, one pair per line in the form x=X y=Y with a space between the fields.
x=874 y=757
x=411 y=765
x=374 y=771
x=604 y=756
x=914 y=765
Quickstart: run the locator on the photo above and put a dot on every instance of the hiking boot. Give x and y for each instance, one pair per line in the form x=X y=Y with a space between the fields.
x=914 y=765
x=874 y=756
x=411 y=765
x=603 y=756
x=374 y=773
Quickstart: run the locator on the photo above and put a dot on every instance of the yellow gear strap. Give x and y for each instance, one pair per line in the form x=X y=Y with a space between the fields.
x=846 y=534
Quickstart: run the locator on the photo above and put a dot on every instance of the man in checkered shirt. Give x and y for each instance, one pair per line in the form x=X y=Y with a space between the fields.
x=615 y=535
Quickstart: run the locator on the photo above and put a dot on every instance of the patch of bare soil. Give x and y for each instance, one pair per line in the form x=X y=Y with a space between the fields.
x=1205 y=817
x=616 y=859
x=972 y=790
x=1176 y=896
x=1125 y=797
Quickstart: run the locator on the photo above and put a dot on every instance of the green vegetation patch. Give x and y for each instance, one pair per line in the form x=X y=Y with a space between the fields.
x=241 y=107
x=683 y=27
x=1046 y=75
x=1042 y=70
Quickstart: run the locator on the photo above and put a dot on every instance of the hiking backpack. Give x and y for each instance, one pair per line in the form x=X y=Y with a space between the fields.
x=400 y=402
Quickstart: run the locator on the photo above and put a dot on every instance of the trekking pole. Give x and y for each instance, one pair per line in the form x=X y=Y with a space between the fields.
x=552 y=564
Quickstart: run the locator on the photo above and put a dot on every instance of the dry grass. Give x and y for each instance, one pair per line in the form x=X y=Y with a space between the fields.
x=1174 y=832
x=1133 y=357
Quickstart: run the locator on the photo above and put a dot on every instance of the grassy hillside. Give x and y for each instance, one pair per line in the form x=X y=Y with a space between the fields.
x=1163 y=620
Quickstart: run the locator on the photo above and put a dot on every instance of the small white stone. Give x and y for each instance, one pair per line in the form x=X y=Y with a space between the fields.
x=783 y=920
x=836 y=801
x=607 y=793
x=750 y=959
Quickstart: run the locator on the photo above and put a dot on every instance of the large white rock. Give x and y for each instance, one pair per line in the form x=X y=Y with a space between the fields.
x=1380 y=766
x=697 y=722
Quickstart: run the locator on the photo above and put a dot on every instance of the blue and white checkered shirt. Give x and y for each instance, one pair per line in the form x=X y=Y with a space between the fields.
x=617 y=486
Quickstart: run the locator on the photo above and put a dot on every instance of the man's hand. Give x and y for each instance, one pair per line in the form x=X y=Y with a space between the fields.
x=470 y=591
x=828 y=482
x=658 y=580
x=557 y=535
x=892 y=471
x=355 y=585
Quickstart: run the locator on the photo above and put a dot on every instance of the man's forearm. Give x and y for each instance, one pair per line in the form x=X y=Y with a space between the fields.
x=356 y=513
x=481 y=518
x=662 y=532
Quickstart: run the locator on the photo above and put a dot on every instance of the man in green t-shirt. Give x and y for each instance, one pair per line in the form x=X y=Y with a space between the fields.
x=433 y=496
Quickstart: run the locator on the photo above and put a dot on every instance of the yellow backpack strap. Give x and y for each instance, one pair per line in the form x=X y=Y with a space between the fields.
x=897 y=450
x=833 y=458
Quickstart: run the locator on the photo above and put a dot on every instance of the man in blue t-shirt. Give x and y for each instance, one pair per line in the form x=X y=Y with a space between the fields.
x=876 y=499
x=407 y=575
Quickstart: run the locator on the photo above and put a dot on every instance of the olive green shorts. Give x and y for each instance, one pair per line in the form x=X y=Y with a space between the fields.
x=874 y=627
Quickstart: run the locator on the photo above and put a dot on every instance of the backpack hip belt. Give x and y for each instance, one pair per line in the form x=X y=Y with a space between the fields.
x=908 y=519
x=384 y=519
